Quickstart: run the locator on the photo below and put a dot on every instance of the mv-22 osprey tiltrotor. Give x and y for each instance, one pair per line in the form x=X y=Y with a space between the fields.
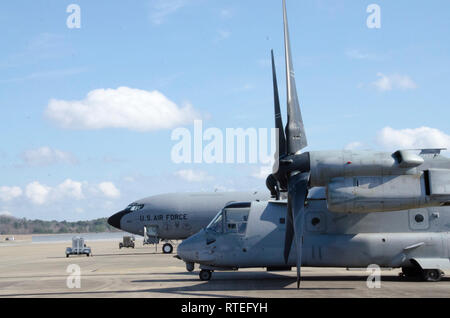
x=341 y=208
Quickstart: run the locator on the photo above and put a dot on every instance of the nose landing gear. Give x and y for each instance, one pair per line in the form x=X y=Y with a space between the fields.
x=167 y=248
x=427 y=275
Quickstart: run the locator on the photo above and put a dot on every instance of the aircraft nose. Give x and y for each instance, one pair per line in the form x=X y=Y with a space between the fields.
x=183 y=250
x=195 y=250
x=115 y=219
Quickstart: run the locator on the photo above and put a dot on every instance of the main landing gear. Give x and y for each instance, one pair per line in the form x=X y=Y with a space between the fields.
x=432 y=275
x=428 y=275
x=205 y=275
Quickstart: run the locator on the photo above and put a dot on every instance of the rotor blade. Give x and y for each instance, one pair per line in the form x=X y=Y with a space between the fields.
x=289 y=232
x=297 y=193
x=295 y=130
x=278 y=118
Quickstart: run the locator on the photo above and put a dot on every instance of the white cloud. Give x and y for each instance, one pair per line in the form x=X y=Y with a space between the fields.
x=41 y=194
x=193 y=175
x=9 y=193
x=263 y=172
x=5 y=213
x=161 y=9
x=423 y=137
x=37 y=193
x=354 y=145
x=124 y=107
x=45 y=156
x=109 y=190
x=70 y=189
x=358 y=55
x=394 y=81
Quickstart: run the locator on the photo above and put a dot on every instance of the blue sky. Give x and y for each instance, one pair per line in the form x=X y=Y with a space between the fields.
x=359 y=88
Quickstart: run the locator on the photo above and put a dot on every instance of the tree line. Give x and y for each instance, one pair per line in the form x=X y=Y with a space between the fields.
x=12 y=225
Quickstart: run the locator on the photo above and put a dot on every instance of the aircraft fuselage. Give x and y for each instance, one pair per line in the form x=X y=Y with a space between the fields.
x=389 y=239
x=177 y=216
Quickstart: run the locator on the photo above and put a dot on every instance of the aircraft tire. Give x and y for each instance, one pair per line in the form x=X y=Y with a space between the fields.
x=432 y=275
x=205 y=275
x=167 y=248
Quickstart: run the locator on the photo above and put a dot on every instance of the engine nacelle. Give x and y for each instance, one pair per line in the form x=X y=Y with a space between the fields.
x=388 y=193
x=375 y=194
x=328 y=165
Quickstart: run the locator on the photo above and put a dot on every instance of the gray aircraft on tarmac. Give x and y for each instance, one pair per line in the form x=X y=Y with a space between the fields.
x=337 y=208
x=176 y=216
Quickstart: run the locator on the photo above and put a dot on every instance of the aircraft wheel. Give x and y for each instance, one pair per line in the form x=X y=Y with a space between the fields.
x=432 y=275
x=205 y=275
x=167 y=248
x=67 y=255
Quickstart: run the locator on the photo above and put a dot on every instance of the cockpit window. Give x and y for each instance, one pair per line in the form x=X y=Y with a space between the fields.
x=216 y=224
x=230 y=220
x=134 y=207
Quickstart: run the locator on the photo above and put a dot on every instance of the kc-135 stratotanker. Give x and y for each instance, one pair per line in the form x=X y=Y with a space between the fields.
x=336 y=208
x=176 y=216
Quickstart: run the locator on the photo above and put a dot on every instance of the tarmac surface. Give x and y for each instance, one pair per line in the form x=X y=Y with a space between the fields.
x=40 y=270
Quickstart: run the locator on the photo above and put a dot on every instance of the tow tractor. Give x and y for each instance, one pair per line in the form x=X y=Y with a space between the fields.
x=78 y=247
x=128 y=241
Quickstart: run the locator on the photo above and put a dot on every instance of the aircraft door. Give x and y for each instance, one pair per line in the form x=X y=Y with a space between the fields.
x=235 y=227
x=152 y=230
